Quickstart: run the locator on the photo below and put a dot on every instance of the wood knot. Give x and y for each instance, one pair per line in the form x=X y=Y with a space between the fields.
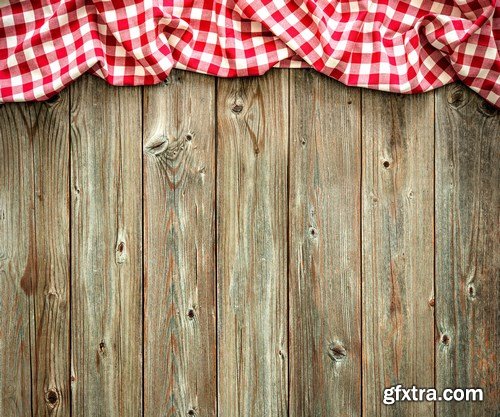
x=486 y=108
x=51 y=397
x=157 y=145
x=120 y=252
x=456 y=98
x=189 y=137
x=191 y=412
x=432 y=302
x=237 y=108
x=25 y=283
x=174 y=77
x=337 y=352
x=313 y=233
x=471 y=291
x=445 y=339
x=52 y=294
x=102 y=347
x=190 y=314
x=386 y=164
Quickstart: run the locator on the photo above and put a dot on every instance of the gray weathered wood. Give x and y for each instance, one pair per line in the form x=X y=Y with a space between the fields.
x=289 y=262
x=51 y=286
x=467 y=248
x=398 y=252
x=179 y=208
x=324 y=236
x=106 y=235
x=17 y=259
x=251 y=245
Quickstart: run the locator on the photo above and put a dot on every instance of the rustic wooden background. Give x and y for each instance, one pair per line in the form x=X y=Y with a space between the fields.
x=274 y=246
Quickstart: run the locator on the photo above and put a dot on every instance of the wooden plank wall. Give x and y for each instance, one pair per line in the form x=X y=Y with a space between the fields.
x=274 y=246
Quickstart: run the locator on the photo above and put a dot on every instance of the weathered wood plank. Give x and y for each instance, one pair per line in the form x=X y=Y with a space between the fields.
x=106 y=235
x=179 y=208
x=397 y=236
x=467 y=248
x=251 y=245
x=325 y=258
x=17 y=259
x=51 y=361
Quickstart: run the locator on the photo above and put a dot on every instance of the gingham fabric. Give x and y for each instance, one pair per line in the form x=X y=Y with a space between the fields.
x=407 y=46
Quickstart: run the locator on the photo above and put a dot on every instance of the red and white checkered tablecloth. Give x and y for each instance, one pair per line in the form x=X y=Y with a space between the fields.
x=406 y=46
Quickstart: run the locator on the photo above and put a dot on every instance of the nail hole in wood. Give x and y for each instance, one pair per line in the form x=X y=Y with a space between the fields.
x=313 y=232
x=386 y=164
x=191 y=413
x=189 y=137
x=445 y=339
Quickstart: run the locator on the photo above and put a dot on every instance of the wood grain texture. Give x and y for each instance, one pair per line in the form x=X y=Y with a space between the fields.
x=397 y=235
x=17 y=259
x=325 y=259
x=51 y=361
x=179 y=208
x=251 y=245
x=106 y=235
x=467 y=248
x=294 y=232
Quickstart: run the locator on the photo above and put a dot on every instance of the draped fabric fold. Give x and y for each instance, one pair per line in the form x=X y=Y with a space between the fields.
x=407 y=46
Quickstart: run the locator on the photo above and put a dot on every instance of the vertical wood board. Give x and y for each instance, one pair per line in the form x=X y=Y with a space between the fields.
x=106 y=209
x=51 y=288
x=324 y=239
x=251 y=245
x=398 y=241
x=179 y=204
x=467 y=248
x=17 y=259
